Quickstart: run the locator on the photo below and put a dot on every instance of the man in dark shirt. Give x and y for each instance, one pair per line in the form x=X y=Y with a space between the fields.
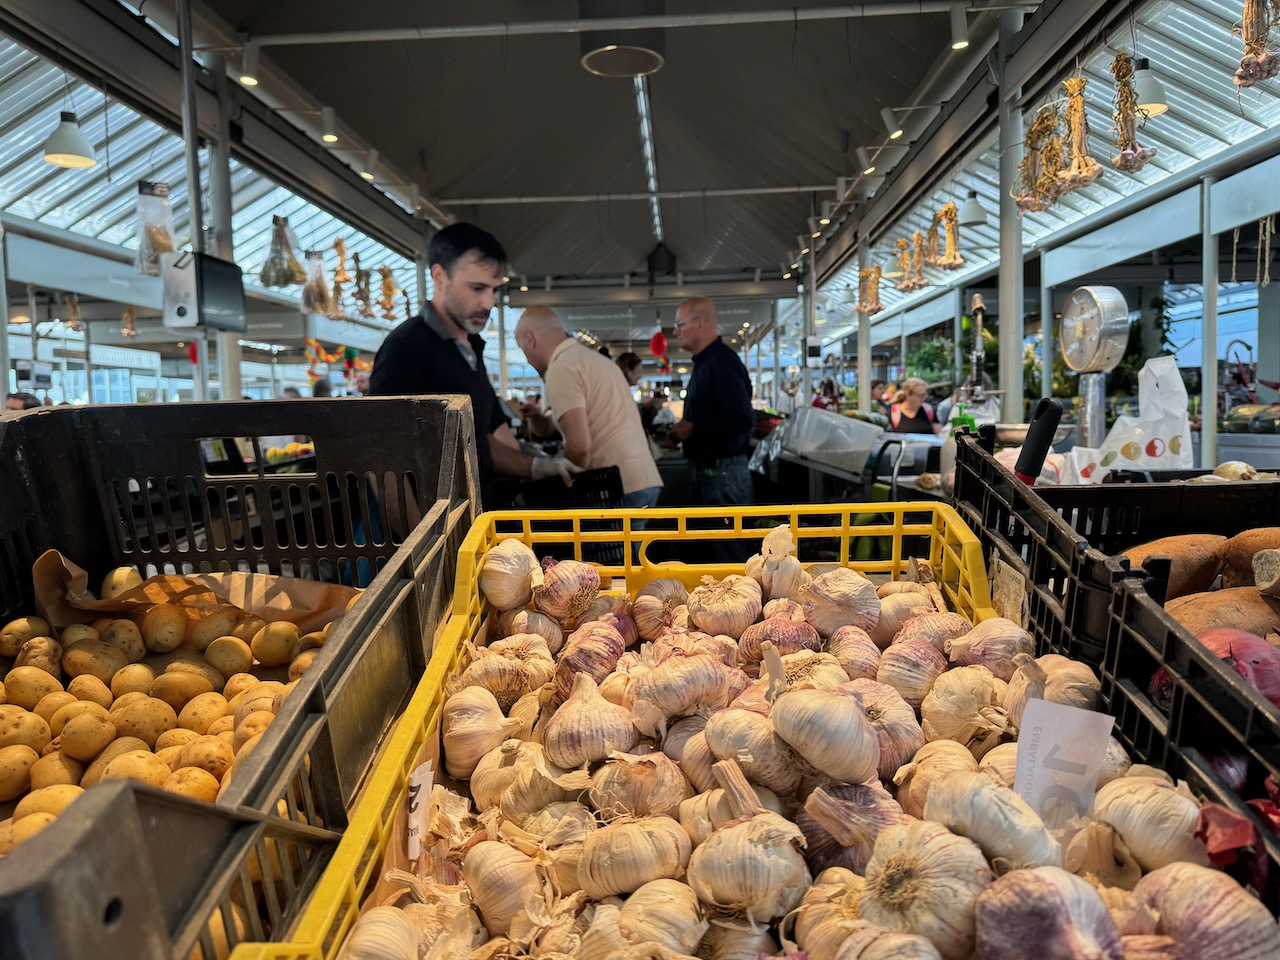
x=440 y=350
x=718 y=417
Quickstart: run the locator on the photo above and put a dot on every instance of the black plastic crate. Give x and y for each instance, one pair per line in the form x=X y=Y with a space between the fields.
x=599 y=489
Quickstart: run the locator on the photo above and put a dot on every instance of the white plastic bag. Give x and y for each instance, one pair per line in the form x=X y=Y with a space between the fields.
x=1158 y=438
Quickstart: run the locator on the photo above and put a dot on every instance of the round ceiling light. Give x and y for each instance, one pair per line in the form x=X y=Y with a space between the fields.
x=621 y=52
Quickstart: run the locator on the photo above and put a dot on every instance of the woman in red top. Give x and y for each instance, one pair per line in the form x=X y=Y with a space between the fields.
x=909 y=413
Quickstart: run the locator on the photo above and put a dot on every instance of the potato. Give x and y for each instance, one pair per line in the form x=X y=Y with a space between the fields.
x=118 y=581
x=92 y=689
x=124 y=700
x=87 y=735
x=76 y=633
x=135 y=678
x=164 y=627
x=29 y=729
x=274 y=644
x=228 y=737
x=222 y=725
x=229 y=655
x=248 y=628
x=212 y=754
x=171 y=755
x=202 y=711
x=42 y=652
x=1241 y=608
x=177 y=737
x=353 y=601
x=53 y=746
x=199 y=668
x=299 y=664
x=221 y=622
x=16 y=762
x=241 y=755
x=146 y=720
x=256 y=698
x=15 y=832
x=95 y=658
x=101 y=623
x=193 y=782
x=179 y=689
x=51 y=703
x=311 y=641
x=27 y=686
x=11 y=710
x=17 y=632
x=60 y=718
x=238 y=683
x=121 y=745
x=52 y=800
x=251 y=726
x=278 y=700
x=125 y=636
x=217 y=933
x=138 y=765
x=2 y=699
x=55 y=768
x=1238 y=554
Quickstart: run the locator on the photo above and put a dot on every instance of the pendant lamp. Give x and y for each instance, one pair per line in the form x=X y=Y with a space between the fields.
x=972 y=213
x=1148 y=89
x=67 y=146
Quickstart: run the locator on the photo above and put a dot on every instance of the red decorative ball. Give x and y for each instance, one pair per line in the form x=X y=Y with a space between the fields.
x=658 y=345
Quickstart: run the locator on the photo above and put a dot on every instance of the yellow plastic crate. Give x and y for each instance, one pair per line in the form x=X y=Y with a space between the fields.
x=954 y=552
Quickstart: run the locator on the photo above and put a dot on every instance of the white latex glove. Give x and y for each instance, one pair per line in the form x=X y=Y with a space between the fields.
x=544 y=467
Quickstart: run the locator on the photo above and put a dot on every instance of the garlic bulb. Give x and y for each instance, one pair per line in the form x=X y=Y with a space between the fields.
x=1115 y=764
x=511 y=667
x=911 y=667
x=963 y=706
x=781 y=575
x=382 y=933
x=568 y=587
x=472 y=725
x=934 y=628
x=682 y=684
x=510 y=574
x=895 y=611
x=826 y=912
x=807 y=670
x=602 y=940
x=710 y=810
x=655 y=604
x=560 y=829
x=1156 y=821
x=593 y=649
x=525 y=712
x=892 y=719
x=991 y=644
x=749 y=866
x=1149 y=948
x=665 y=912
x=1059 y=913
x=744 y=735
x=696 y=760
x=587 y=727
x=1097 y=854
x=734 y=940
x=870 y=942
x=840 y=824
x=856 y=652
x=624 y=855
x=631 y=785
x=530 y=621
x=518 y=779
x=1000 y=822
x=678 y=734
x=932 y=762
x=925 y=880
x=785 y=608
x=900 y=586
x=605 y=604
x=1073 y=684
x=839 y=598
x=788 y=636
x=828 y=731
x=1207 y=914
x=1027 y=683
x=726 y=606
x=1001 y=764
x=502 y=881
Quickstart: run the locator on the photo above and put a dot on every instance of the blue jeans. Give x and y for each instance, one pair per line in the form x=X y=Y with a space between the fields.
x=646 y=497
x=727 y=483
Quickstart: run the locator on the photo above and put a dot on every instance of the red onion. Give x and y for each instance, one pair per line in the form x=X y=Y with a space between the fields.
x=1255 y=660
x=1233 y=768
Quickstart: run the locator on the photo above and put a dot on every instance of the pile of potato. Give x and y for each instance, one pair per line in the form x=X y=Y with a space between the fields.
x=166 y=700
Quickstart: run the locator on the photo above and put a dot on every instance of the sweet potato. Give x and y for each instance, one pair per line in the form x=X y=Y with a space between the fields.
x=1238 y=554
x=1197 y=558
x=1240 y=608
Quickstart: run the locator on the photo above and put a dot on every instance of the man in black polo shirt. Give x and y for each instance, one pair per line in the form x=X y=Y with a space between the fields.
x=440 y=350
x=718 y=417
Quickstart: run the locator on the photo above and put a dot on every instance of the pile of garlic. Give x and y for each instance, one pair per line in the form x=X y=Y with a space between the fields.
x=786 y=760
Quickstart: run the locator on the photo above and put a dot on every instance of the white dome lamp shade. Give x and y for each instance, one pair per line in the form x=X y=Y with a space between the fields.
x=972 y=212
x=1148 y=89
x=68 y=147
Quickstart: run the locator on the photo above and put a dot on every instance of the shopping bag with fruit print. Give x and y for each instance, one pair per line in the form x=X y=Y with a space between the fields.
x=1158 y=438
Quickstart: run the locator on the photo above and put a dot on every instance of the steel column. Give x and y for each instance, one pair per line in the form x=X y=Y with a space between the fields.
x=1012 y=323
x=864 y=335
x=191 y=136
x=1209 y=333
x=4 y=313
x=502 y=349
x=1048 y=337
x=229 y=352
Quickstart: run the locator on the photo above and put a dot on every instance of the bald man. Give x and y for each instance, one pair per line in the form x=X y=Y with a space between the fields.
x=718 y=417
x=589 y=401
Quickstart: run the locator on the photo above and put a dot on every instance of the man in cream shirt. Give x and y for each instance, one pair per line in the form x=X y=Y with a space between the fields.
x=590 y=404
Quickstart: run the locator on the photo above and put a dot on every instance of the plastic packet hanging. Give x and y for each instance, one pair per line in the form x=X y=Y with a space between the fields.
x=282 y=268
x=315 y=291
x=155 y=226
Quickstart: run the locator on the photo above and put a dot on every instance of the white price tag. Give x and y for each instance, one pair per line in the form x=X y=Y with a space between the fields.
x=420 y=783
x=1009 y=593
x=1060 y=754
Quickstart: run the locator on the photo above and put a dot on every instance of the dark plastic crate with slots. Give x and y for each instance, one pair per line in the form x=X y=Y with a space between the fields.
x=78 y=483
x=597 y=489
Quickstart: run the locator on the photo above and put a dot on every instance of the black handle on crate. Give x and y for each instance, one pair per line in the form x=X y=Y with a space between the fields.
x=1035 y=448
